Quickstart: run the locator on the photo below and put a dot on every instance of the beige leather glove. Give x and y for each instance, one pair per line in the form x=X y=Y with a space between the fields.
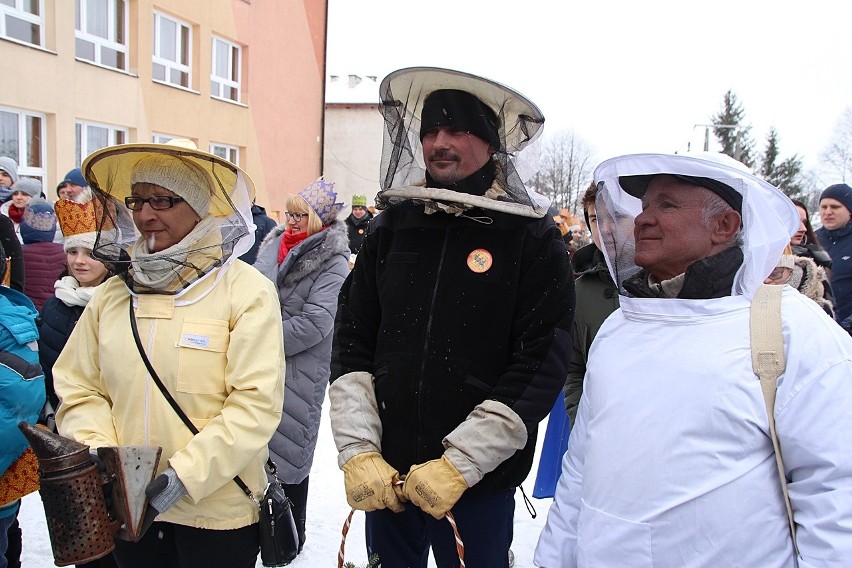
x=369 y=482
x=434 y=486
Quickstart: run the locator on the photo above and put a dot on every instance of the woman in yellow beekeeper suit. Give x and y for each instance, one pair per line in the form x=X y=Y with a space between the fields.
x=207 y=324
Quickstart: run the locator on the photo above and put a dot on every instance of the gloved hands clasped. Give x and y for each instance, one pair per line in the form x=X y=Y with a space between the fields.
x=371 y=483
x=166 y=490
x=434 y=486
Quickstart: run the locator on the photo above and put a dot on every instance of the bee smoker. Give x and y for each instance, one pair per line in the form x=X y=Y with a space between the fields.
x=74 y=493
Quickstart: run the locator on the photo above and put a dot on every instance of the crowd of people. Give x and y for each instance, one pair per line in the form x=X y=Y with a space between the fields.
x=152 y=302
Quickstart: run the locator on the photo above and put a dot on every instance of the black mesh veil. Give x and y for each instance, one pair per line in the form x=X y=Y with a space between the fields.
x=225 y=231
x=403 y=171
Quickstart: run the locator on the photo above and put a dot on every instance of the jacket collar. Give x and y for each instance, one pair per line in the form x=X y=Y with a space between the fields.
x=706 y=278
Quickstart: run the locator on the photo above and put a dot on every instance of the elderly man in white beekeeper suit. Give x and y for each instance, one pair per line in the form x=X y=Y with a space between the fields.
x=671 y=462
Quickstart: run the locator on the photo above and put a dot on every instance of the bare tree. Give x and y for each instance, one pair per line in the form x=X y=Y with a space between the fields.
x=566 y=169
x=837 y=156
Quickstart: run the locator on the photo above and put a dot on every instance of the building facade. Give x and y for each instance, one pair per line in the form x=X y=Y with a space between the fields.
x=241 y=78
x=353 y=136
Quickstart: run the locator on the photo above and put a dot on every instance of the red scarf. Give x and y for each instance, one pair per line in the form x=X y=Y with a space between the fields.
x=289 y=241
x=16 y=214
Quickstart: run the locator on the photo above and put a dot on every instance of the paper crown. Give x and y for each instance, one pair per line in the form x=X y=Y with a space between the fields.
x=79 y=221
x=321 y=196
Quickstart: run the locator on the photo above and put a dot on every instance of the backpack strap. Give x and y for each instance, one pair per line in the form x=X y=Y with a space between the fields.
x=768 y=361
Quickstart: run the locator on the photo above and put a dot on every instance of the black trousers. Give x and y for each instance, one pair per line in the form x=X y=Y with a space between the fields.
x=167 y=545
x=298 y=495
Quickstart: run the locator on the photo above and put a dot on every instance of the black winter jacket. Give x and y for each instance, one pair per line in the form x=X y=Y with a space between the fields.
x=597 y=298
x=441 y=335
x=55 y=325
x=356 y=229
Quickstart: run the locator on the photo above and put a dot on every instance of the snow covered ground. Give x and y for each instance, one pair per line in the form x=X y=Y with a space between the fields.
x=327 y=510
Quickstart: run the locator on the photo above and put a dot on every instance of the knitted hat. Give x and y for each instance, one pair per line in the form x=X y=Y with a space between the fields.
x=30 y=186
x=321 y=196
x=839 y=191
x=178 y=175
x=38 y=224
x=75 y=177
x=9 y=166
x=461 y=111
x=359 y=201
x=79 y=222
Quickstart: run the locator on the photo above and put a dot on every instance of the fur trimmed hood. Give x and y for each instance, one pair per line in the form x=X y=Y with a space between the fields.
x=309 y=255
x=809 y=279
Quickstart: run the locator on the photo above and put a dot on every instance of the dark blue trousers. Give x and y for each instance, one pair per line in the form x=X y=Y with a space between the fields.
x=402 y=540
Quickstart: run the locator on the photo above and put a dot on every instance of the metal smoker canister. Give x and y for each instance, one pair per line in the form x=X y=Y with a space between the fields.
x=72 y=494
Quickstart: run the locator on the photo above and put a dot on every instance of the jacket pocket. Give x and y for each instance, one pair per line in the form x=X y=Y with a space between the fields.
x=607 y=540
x=202 y=356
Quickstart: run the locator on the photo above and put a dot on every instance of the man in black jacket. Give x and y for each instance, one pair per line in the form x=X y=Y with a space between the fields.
x=452 y=335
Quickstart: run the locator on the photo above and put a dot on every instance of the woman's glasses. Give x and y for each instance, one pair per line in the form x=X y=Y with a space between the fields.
x=295 y=216
x=158 y=202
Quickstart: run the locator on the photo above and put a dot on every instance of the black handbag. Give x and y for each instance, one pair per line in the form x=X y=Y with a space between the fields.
x=279 y=539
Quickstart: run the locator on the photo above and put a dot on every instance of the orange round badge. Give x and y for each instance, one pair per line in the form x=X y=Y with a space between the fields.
x=479 y=260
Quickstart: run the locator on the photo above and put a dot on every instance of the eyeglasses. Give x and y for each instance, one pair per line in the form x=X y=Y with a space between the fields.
x=158 y=202
x=295 y=216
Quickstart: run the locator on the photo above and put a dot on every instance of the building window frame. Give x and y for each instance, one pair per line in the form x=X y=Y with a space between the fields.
x=117 y=32
x=226 y=80
x=29 y=146
x=19 y=15
x=226 y=152
x=84 y=131
x=177 y=71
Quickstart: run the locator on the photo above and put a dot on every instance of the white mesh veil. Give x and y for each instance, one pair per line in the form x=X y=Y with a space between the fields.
x=768 y=216
x=403 y=170
x=228 y=226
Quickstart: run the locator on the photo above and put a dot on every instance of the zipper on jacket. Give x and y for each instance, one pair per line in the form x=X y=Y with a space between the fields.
x=148 y=349
x=421 y=402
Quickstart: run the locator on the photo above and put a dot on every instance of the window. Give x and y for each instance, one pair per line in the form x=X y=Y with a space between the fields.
x=225 y=75
x=101 y=32
x=163 y=138
x=22 y=139
x=92 y=136
x=22 y=20
x=230 y=153
x=172 y=51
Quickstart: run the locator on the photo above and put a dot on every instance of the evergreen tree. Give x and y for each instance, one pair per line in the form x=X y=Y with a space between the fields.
x=732 y=132
x=785 y=175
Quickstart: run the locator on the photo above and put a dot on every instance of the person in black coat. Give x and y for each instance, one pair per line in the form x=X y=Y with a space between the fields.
x=262 y=225
x=14 y=254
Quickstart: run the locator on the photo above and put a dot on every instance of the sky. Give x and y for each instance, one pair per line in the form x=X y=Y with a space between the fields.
x=625 y=76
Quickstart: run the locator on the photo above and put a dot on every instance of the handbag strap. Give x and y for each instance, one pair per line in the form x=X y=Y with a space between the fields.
x=769 y=361
x=270 y=465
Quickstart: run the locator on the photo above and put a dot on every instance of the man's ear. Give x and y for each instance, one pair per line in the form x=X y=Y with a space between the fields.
x=725 y=227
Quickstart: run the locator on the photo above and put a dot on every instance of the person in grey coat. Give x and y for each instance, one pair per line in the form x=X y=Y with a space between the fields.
x=306 y=258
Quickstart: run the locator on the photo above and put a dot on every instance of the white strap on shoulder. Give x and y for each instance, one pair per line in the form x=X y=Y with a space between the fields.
x=768 y=361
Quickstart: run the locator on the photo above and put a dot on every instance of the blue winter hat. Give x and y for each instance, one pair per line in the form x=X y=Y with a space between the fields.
x=38 y=224
x=841 y=192
x=75 y=177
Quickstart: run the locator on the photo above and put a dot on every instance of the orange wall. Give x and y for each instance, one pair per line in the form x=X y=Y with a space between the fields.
x=286 y=73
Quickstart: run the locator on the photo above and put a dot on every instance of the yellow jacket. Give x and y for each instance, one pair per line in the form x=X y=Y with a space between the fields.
x=221 y=358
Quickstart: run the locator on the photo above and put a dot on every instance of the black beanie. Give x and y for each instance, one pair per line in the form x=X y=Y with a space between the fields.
x=839 y=191
x=462 y=111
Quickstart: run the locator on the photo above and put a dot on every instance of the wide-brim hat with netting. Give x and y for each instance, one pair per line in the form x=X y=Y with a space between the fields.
x=216 y=189
x=519 y=123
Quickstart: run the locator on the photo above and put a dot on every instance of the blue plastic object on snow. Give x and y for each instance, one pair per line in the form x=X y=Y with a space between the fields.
x=553 y=448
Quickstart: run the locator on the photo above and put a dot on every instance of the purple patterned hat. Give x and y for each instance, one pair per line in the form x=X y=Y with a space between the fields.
x=321 y=196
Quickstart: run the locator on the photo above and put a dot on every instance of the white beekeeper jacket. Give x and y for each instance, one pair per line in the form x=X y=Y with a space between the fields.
x=670 y=462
